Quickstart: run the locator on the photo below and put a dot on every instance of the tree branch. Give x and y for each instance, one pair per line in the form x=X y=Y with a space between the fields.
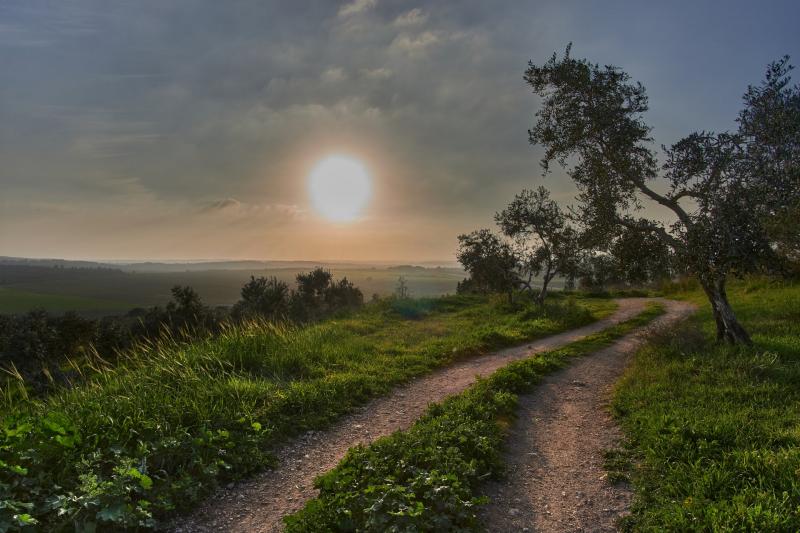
x=668 y=239
x=639 y=182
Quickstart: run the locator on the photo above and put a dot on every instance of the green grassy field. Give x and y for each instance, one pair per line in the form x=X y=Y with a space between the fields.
x=160 y=431
x=715 y=430
x=21 y=301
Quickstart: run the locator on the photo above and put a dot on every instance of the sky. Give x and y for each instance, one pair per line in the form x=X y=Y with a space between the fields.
x=144 y=129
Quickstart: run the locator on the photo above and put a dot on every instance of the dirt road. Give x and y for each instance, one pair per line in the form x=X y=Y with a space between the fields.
x=555 y=449
x=258 y=505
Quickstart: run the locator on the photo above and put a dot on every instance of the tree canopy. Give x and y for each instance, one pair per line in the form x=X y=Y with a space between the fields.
x=490 y=262
x=546 y=244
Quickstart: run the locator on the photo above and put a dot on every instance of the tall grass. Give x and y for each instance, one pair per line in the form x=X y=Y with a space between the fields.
x=171 y=420
x=714 y=429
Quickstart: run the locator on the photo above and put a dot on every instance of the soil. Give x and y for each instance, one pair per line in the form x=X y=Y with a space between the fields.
x=555 y=449
x=259 y=504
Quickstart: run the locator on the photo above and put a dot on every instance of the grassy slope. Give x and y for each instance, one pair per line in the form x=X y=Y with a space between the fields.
x=715 y=430
x=428 y=478
x=165 y=428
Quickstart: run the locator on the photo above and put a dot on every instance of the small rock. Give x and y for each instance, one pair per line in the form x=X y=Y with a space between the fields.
x=513 y=511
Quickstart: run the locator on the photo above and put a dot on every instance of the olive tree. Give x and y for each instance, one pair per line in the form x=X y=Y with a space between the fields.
x=546 y=244
x=490 y=262
x=591 y=123
x=769 y=126
x=640 y=257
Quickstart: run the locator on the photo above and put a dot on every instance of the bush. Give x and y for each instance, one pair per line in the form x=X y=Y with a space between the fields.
x=317 y=296
x=263 y=297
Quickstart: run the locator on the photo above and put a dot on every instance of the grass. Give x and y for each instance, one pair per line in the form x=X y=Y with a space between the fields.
x=429 y=477
x=21 y=301
x=151 y=436
x=714 y=430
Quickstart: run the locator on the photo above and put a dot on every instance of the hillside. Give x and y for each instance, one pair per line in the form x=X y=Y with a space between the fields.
x=163 y=426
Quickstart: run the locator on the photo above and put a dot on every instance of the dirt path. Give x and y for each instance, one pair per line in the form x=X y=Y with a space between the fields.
x=556 y=480
x=261 y=503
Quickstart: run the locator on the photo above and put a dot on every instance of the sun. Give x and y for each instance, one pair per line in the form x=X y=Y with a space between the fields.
x=340 y=188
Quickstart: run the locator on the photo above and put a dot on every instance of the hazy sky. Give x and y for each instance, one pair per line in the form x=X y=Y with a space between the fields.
x=187 y=129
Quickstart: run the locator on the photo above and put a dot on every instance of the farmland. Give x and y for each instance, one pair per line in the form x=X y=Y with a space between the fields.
x=112 y=289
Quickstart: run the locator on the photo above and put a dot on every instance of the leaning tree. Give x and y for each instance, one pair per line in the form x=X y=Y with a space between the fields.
x=591 y=124
x=546 y=243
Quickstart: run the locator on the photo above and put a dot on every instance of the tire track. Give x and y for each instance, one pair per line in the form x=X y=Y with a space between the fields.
x=259 y=504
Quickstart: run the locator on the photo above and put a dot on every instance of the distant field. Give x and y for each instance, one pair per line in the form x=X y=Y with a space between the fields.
x=20 y=301
x=108 y=291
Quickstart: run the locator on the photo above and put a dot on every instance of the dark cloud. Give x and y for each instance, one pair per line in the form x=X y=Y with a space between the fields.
x=164 y=108
x=221 y=205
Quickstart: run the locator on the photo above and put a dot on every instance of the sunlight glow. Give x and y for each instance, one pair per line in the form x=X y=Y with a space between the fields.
x=340 y=188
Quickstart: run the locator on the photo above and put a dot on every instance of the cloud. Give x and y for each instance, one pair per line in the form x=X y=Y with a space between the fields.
x=114 y=144
x=226 y=204
x=234 y=208
x=379 y=74
x=355 y=7
x=415 y=17
x=414 y=44
x=220 y=127
x=333 y=75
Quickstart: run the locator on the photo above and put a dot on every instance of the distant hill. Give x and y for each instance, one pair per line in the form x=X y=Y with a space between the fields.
x=97 y=288
x=200 y=266
x=24 y=261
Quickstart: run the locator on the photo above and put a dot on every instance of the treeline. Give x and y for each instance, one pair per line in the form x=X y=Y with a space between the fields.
x=538 y=241
x=45 y=349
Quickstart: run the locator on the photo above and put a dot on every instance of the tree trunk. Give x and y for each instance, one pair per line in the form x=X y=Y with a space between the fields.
x=545 y=282
x=728 y=327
